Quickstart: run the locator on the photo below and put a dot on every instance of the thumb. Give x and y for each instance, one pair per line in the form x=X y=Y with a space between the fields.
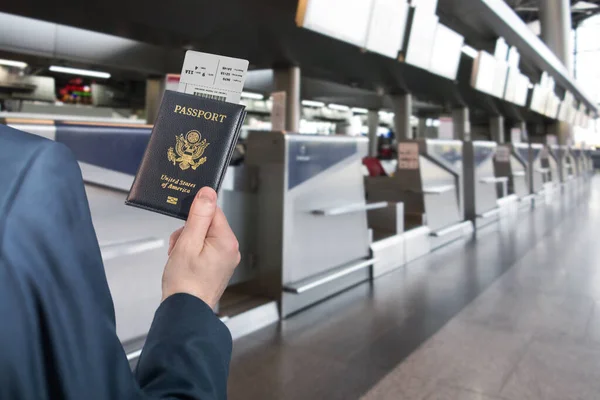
x=201 y=215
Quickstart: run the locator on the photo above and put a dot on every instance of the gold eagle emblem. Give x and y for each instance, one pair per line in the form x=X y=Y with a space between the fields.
x=188 y=150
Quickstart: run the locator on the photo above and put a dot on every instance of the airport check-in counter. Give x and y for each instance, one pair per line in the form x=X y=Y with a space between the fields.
x=550 y=163
x=486 y=185
x=311 y=229
x=583 y=163
x=585 y=154
x=571 y=162
x=565 y=162
x=594 y=155
x=509 y=163
x=436 y=183
x=531 y=153
x=590 y=161
x=429 y=182
x=577 y=161
x=134 y=242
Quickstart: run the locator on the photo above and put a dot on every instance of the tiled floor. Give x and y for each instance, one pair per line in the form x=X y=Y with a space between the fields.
x=511 y=315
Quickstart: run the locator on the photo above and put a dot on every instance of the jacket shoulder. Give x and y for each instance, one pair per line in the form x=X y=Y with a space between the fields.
x=21 y=153
x=17 y=146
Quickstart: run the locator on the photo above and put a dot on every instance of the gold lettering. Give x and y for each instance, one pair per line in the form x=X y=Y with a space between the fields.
x=195 y=112
x=177 y=188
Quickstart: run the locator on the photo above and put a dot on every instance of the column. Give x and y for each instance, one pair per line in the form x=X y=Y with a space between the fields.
x=155 y=87
x=402 y=107
x=422 y=128
x=288 y=80
x=373 y=125
x=461 y=124
x=462 y=131
x=526 y=138
x=555 y=21
x=524 y=132
x=497 y=129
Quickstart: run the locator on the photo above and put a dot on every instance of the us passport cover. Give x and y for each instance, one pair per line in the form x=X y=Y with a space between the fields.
x=190 y=147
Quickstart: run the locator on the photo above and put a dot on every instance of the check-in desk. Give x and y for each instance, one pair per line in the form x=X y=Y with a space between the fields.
x=311 y=229
x=531 y=154
x=549 y=160
x=571 y=163
x=566 y=164
x=134 y=242
x=589 y=161
x=429 y=184
x=582 y=167
x=583 y=162
x=552 y=179
x=486 y=185
x=579 y=162
x=510 y=164
x=581 y=170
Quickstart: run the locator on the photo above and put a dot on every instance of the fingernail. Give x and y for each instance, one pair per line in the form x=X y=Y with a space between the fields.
x=207 y=194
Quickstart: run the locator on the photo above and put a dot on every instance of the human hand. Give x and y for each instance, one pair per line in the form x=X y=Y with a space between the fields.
x=202 y=254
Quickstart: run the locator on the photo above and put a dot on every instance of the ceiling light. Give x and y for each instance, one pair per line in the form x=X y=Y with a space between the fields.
x=338 y=107
x=386 y=114
x=11 y=63
x=311 y=103
x=253 y=96
x=584 y=5
x=358 y=110
x=77 y=71
x=468 y=50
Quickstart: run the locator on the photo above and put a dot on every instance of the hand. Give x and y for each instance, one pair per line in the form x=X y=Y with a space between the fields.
x=203 y=254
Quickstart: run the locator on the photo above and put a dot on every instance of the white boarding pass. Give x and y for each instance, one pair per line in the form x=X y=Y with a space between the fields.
x=213 y=76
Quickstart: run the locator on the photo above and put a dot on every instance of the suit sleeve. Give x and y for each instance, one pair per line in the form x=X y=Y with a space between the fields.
x=53 y=246
x=187 y=352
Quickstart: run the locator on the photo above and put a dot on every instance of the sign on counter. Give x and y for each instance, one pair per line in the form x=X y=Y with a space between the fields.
x=278 y=111
x=408 y=156
x=503 y=153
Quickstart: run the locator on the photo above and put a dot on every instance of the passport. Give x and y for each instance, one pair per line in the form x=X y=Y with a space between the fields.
x=190 y=147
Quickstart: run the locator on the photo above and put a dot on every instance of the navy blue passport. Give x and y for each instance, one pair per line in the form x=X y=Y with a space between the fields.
x=190 y=147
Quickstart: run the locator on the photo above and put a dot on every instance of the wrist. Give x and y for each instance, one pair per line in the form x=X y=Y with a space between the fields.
x=209 y=300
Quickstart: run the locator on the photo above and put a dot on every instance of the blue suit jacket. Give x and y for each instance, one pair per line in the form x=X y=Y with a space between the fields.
x=57 y=323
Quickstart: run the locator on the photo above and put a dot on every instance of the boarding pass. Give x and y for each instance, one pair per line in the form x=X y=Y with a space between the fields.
x=213 y=76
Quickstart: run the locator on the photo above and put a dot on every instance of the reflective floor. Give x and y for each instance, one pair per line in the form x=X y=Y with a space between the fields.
x=511 y=315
